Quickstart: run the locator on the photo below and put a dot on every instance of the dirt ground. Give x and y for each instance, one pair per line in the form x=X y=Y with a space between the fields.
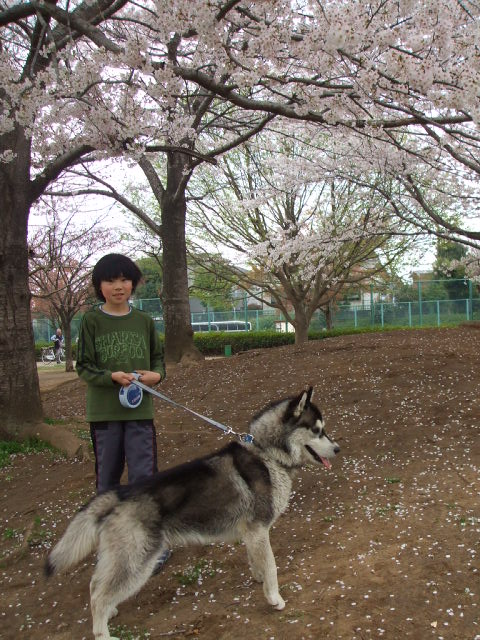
x=384 y=545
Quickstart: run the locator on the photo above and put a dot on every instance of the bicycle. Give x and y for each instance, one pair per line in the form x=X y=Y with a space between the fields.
x=49 y=357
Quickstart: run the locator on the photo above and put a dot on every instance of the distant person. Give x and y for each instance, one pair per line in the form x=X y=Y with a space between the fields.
x=58 y=343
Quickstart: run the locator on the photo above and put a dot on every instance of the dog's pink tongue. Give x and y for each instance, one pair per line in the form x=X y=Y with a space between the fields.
x=326 y=462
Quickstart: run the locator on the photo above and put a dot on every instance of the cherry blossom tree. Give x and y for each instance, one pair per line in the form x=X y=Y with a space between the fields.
x=471 y=264
x=403 y=75
x=48 y=64
x=75 y=92
x=81 y=78
x=472 y=270
x=303 y=238
x=216 y=128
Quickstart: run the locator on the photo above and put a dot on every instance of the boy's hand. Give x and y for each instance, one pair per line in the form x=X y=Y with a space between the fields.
x=150 y=378
x=120 y=377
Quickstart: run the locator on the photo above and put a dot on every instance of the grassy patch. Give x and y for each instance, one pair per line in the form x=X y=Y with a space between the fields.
x=84 y=434
x=389 y=508
x=195 y=574
x=467 y=520
x=124 y=633
x=38 y=535
x=10 y=534
x=53 y=421
x=10 y=448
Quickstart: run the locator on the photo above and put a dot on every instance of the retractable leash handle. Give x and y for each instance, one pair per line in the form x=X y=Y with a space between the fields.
x=131 y=396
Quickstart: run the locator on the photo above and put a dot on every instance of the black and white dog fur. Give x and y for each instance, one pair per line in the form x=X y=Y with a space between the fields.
x=236 y=493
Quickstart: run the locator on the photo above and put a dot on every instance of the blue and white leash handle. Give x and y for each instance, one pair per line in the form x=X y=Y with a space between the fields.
x=131 y=396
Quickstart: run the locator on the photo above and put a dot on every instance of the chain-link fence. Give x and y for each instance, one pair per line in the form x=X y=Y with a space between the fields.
x=44 y=328
x=371 y=306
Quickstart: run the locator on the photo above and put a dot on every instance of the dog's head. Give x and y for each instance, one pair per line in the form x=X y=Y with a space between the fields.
x=308 y=436
x=295 y=426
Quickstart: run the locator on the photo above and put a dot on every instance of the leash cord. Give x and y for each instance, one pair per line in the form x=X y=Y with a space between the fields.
x=244 y=437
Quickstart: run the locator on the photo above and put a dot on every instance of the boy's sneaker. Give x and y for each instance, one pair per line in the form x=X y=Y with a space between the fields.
x=163 y=559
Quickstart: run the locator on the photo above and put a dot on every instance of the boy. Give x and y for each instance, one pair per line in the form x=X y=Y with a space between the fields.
x=114 y=341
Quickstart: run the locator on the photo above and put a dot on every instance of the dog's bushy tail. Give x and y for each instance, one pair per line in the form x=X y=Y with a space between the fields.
x=81 y=536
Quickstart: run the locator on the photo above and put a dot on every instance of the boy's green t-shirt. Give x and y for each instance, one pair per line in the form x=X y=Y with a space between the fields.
x=109 y=343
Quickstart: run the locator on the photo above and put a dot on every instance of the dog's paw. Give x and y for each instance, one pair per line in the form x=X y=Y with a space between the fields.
x=277 y=602
x=113 y=614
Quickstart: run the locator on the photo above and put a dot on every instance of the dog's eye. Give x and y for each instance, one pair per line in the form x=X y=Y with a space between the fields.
x=318 y=428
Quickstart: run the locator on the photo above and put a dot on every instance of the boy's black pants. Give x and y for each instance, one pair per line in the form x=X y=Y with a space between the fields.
x=115 y=443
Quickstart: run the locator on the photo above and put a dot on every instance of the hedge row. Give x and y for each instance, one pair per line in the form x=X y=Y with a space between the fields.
x=216 y=342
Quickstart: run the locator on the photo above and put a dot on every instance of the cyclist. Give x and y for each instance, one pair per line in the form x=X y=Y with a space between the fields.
x=57 y=340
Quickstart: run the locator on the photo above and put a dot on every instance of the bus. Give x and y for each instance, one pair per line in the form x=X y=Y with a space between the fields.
x=222 y=325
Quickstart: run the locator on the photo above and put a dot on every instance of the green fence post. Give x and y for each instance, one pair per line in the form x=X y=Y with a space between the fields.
x=228 y=350
x=372 y=308
x=381 y=313
x=470 y=297
x=409 y=314
x=420 y=314
x=355 y=317
x=438 y=313
x=245 y=308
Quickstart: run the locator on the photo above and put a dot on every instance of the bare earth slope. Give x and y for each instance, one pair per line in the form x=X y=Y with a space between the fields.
x=385 y=545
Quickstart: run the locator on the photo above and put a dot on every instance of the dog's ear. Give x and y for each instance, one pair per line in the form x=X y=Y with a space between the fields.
x=309 y=394
x=303 y=401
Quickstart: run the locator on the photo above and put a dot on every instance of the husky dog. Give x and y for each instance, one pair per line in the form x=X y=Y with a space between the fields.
x=235 y=493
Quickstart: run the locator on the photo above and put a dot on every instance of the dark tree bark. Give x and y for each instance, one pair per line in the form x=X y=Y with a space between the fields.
x=20 y=401
x=328 y=317
x=301 y=324
x=19 y=389
x=176 y=307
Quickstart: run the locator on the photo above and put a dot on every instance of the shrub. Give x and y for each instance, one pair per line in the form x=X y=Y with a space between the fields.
x=214 y=343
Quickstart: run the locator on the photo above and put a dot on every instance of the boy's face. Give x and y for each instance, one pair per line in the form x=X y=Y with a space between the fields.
x=116 y=292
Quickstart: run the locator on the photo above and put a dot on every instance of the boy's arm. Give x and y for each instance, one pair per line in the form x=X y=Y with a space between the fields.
x=86 y=366
x=156 y=373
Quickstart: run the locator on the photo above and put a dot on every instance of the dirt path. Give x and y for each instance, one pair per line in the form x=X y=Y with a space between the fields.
x=385 y=545
x=52 y=376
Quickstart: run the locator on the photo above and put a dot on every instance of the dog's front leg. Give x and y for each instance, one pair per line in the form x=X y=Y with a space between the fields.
x=256 y=571
x=262 y=563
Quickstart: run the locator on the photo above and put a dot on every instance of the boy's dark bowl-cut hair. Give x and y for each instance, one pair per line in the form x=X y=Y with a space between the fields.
x=111 y=266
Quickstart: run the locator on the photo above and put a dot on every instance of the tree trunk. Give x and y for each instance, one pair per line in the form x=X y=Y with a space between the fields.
x=328 y=316
x=20 y=402
x=179 y=344
x=301 y=323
